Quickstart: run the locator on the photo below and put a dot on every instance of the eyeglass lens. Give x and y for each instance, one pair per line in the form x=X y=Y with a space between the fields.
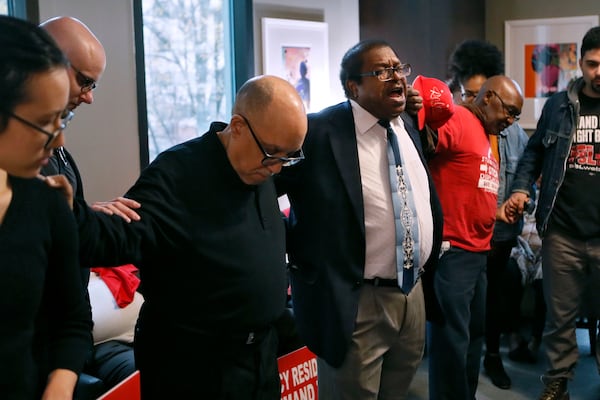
x=270 y=160
x=509 y=111
x=387 y=74
x=85 y=83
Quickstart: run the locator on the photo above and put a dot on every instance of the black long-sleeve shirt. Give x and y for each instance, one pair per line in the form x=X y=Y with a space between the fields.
x=44 y=322
x=211 y=249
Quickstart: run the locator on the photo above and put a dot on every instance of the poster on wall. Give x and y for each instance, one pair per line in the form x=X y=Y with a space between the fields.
x=296 y=61
x=542 y=55
x=549 y=68
x=297 y=51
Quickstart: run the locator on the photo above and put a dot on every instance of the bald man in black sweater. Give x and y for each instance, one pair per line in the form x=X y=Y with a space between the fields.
x=210 y=246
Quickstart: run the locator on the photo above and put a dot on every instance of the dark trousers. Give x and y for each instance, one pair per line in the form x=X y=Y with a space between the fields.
x=455 y=347
x=497 y=319
x=515 y=290
x=287 y=333
x=571 y=269
x=112 y=362
x=539 y=312
x=180 y=365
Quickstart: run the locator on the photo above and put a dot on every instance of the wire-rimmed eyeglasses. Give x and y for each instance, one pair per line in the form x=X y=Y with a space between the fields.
x=65 y=118
x=86 y=83
x=269 y=159
x=467 y=94
x=510 y=112
x=387 y=74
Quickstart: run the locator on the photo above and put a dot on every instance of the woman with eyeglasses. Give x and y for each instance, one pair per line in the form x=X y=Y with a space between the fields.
x=44 y=321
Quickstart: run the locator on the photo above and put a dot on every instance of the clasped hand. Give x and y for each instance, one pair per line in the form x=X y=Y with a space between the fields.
x=512 y=209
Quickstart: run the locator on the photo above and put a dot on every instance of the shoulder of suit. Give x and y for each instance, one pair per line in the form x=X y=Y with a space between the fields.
x=333 y=113
x=409 y=121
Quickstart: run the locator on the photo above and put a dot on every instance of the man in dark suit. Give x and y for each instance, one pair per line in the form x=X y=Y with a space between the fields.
x=351 y=311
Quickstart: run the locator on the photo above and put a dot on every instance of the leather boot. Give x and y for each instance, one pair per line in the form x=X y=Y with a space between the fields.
x=492 y=363
x=556 y=389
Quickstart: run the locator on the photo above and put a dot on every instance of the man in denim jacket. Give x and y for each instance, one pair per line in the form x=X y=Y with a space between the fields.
x=565 y=149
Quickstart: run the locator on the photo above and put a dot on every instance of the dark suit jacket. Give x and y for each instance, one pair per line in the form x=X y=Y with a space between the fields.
x=326 y=235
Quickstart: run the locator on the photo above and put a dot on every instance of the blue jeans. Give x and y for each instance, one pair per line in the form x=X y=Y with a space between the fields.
x=455 y=347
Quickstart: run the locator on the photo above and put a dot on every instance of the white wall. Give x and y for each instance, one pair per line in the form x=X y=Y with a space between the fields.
x=103 y=137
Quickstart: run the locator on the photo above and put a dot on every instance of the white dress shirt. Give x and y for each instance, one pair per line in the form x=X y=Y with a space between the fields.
x=380 y=229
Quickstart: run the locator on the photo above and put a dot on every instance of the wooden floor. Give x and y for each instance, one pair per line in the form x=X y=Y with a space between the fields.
x=526 y=384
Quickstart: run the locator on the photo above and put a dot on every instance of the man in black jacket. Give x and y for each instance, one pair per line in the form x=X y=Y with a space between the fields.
x=210 y=246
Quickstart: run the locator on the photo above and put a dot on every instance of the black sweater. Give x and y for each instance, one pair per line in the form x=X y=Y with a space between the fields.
x=211 y=249
x=44 y=323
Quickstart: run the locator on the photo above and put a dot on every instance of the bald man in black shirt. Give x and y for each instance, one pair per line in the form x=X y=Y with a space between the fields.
x=210 y=246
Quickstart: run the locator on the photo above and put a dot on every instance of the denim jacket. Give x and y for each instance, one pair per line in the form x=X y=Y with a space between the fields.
x=548 y=149
x=511 y=144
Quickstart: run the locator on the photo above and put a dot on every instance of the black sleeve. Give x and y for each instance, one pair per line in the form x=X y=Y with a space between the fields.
x=429 y=140
x=106 y=240
x=109 y=240
x=69 y=320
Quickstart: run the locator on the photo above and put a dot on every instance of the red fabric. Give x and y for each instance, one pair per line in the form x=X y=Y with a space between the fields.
x=465 y=174
x=121 y=281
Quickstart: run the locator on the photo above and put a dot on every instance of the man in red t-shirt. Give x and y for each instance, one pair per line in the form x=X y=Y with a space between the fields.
x=465 y=174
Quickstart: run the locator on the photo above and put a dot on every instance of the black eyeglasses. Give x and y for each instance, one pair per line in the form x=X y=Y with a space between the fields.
x=86 y=83
x=510 y=111
x=467 y=94
x=270 y=160
x=65 y=118
x=387 y=74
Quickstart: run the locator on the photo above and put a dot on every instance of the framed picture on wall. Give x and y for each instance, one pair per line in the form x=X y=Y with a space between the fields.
x=542 y=55
x=297 y=51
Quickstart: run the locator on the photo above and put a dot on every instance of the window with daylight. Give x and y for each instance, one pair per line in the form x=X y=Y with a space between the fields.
x=188 y=69
x=15 y=8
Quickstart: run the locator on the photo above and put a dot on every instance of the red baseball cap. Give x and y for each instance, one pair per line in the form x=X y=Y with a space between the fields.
x=438 y=105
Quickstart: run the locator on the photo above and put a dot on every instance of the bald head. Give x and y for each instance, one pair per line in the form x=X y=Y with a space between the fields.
x=499 y=101
x=84 y=51
x=270 y=100
x=501 y=83
x=78 y=42
x=270 y=109
x=260 y=92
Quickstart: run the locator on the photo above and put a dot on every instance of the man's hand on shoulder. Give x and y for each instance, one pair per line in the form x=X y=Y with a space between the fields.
x=121 y=206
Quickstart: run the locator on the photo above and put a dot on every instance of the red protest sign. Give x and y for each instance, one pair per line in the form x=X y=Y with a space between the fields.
x=128 y=389
x=298 y=374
